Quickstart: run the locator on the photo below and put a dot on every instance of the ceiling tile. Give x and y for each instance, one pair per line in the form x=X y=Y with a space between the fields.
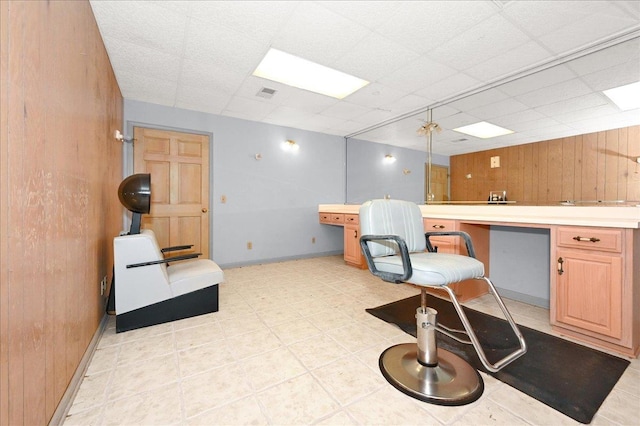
x=345 y=110
x=316 y=33
x=449 y=87
x=426 y=25
x=374 y=57
x=558 y=92
x=134 y=58
x=490 y=38
x=509 y=63
x=588 y=30
x=198 y=99
x=224 y=47
x=140 y=23
x=418 y=74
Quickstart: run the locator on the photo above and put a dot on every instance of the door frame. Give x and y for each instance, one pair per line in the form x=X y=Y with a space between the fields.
x=426 y=179
x=127 y=166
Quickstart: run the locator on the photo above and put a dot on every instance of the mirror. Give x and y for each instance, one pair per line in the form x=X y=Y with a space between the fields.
x=552 y=101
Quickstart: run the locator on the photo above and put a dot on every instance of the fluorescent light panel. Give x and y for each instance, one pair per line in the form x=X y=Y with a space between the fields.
x=483 y=130
x=297 y=72
x=625 y=97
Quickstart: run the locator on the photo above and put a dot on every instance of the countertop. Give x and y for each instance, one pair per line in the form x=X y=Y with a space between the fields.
x=610 y=216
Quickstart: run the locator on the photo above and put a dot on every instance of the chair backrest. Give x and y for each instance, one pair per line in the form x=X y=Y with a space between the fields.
x=137 y=287
x=392 y=217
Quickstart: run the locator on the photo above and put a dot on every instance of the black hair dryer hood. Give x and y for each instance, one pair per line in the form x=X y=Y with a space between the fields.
x=135 y=194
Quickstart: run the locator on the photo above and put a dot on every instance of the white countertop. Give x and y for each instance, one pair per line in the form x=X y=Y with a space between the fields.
x=600 y=216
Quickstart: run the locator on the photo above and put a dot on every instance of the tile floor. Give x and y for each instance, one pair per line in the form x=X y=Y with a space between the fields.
x=293 y=345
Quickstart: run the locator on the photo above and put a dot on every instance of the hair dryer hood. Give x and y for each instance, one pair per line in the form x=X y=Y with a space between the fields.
x=135 y=193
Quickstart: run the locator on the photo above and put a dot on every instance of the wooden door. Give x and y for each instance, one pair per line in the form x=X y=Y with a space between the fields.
x=179 y=168
x=439 y=182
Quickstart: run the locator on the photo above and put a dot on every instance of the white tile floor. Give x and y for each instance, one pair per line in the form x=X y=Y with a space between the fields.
x=293 y=345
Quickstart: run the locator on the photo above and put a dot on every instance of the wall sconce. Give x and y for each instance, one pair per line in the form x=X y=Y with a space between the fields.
x=117 y=135
x=290 y=145
x=389 y=159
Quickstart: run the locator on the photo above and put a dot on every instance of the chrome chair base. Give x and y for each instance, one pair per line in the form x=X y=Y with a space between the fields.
x=452 y=381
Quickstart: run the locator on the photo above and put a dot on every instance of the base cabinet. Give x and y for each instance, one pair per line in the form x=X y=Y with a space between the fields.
x=465 y=290
x=592 y=287
x=352 y=252
x=589 y=292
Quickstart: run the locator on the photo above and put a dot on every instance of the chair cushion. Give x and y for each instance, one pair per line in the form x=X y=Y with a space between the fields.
x=434 y=269
x=192 y=275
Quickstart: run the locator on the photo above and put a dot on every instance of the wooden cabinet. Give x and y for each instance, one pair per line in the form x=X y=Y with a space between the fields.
x=442 y=244
x=592 y=287
x=469 y=289
x=352 y=253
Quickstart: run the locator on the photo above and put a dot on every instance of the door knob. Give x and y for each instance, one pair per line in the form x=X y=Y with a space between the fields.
x=204 y=210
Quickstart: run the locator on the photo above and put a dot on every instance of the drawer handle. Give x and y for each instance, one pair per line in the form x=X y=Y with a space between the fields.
x=355 y=233
x=438 y=226
x=560 y=262
x=592 y=239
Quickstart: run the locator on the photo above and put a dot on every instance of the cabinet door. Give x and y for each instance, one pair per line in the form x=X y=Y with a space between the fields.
x=589 y=292
x=352 y=253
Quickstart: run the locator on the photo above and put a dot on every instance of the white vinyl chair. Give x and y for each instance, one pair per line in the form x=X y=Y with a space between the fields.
x=152 y=289
x=397 y=250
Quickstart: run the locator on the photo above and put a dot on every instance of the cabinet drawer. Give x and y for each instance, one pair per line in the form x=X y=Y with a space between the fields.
x=431 y=225
x=591 y=238
x=353 y=219
x=337 y=218
x=325 y=217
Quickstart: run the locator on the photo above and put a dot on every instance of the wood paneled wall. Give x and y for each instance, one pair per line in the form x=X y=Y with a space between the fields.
x=59 y=211
x=595 y=166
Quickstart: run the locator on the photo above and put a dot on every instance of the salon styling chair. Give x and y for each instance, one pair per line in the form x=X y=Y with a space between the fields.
x=398 y=250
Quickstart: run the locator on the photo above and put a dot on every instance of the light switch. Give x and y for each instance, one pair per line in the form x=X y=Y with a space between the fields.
x=495 y=162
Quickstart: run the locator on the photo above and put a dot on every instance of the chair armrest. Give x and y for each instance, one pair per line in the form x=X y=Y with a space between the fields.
x=167 y=260
x=404 y=255
x=174 y=248
x=467 y=240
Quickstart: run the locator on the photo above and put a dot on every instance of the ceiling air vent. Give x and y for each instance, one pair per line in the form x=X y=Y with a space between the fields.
x=266 y=93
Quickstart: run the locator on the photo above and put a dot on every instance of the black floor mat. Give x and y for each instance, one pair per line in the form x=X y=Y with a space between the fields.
x=570 y=378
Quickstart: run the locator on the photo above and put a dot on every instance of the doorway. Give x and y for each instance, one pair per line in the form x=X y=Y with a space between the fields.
x=439 y=182
x=179 y=167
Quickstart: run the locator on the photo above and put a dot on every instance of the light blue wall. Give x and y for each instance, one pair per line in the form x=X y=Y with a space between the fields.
x=519 y=259
x=368 y=177
x=272 y=202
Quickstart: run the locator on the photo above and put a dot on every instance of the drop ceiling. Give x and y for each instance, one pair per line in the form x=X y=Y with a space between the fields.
x=535 y=67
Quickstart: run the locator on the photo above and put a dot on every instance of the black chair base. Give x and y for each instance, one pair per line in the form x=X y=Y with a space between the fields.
x=451 y=382
x=199 y=302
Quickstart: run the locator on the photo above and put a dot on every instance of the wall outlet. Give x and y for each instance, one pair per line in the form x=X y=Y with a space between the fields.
x=103 y=285
x=249 y=245
x=495 y=162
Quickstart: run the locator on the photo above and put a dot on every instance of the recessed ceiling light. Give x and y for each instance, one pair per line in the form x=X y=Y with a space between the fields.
x=625 y=97
x=483 y=130
x=303 y=74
